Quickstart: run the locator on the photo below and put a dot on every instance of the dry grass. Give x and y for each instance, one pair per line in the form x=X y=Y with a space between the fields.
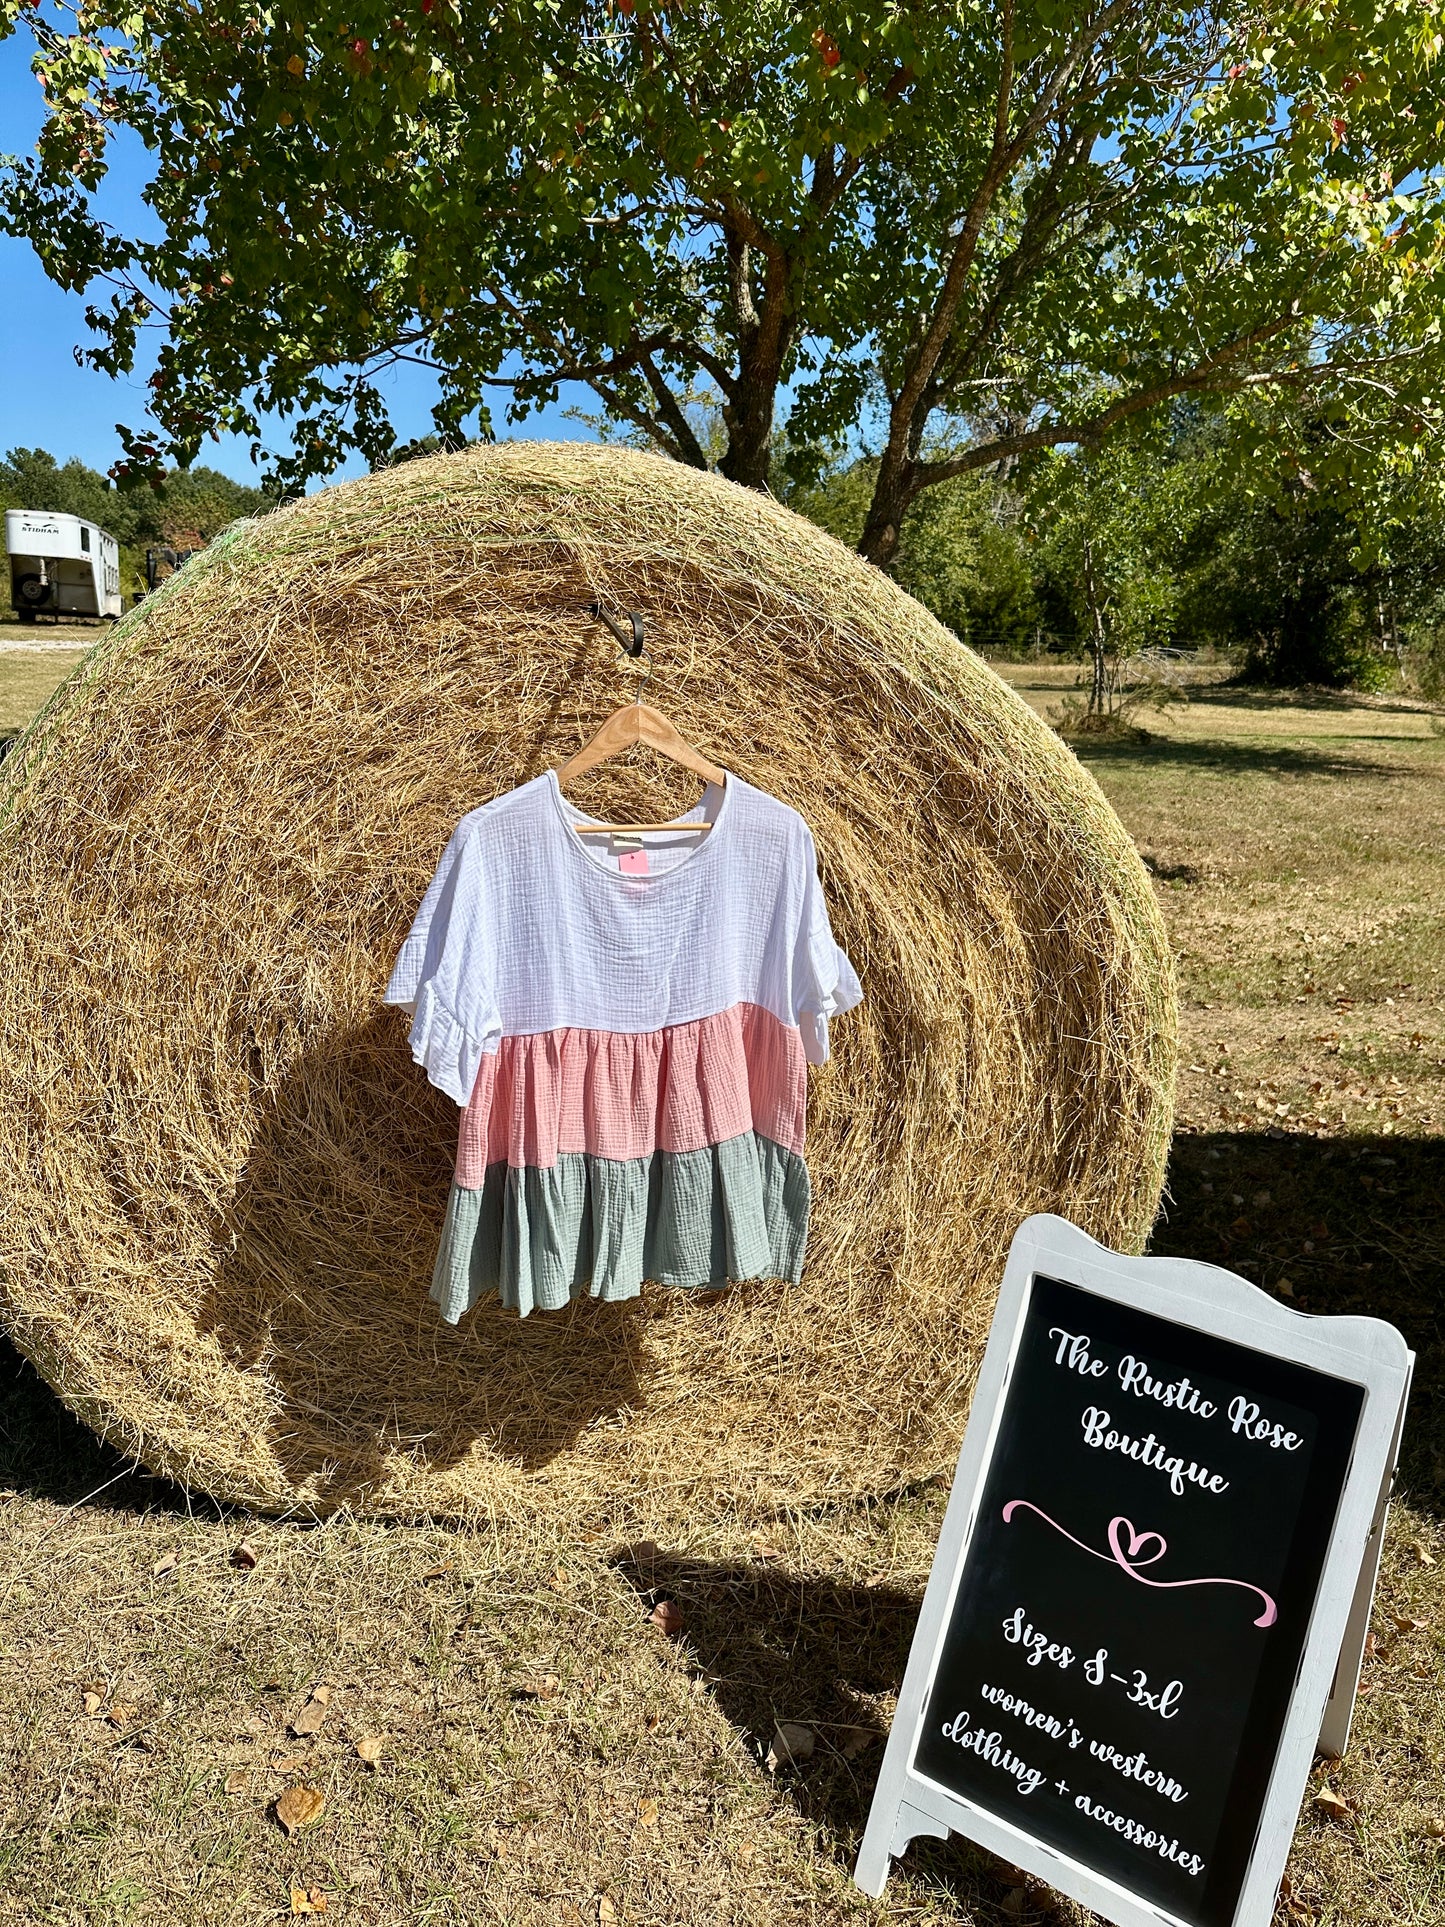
x=221 y=1179
x=492 y=1806
x=28 y=677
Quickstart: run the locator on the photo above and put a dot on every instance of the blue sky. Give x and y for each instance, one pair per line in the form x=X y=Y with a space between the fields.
x=47 y=401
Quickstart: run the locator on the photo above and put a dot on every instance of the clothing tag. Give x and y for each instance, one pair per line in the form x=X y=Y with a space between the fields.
x=633 y=863
x=621 y=843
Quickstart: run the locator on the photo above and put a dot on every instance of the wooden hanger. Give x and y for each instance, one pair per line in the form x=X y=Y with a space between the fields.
x=638 y=722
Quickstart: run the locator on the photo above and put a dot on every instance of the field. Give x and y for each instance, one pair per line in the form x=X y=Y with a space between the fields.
x=499 y=1730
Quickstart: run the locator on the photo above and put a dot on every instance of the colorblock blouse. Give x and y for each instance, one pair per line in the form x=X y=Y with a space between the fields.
x=626 y=1022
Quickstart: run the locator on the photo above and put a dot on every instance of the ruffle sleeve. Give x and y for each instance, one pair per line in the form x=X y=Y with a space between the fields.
x=444 y=974
x=825 y=982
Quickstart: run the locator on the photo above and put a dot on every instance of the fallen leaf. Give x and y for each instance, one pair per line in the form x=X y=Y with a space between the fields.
x=792 y=1744
x=1435 y=1829
x=245 y=1556
x=558 y=1581
x=1337 y=1808
x=1408 y=1625
x=307 y=1900
x=299 y=1806
x=436 y=1572
x=120 y=1714
x=647 y=1811
x=540 y=1689
x=652 y=1722
x=853 y=1740
x=309 y=1719
x=1422 y=1552
x=291 y=1764
x=666 y=1615
x=93 y=1702
x=166 y=1563
x=1286 y=1289
x=369 y=1750
x=605 y=1909
x=237 y=1780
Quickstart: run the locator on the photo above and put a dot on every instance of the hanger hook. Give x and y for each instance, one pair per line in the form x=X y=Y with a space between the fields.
x=630 y=644
x=645 y=656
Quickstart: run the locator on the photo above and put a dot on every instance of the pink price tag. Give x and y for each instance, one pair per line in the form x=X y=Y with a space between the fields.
x=633 y=863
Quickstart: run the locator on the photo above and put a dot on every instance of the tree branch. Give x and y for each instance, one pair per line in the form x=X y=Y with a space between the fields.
x=1212 y=374
x=690 y=449
x=1004 y=156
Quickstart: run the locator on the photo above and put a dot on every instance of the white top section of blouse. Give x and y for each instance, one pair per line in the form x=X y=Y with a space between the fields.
x=528 y=926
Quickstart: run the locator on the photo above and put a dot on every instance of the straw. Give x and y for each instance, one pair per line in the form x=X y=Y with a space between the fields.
x=221 y=1176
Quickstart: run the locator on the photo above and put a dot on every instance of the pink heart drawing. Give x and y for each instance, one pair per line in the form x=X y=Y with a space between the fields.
x=1130 y=1556
x=1137 y=1542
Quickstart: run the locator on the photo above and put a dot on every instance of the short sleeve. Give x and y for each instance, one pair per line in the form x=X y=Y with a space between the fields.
x=445 y=974
x=826 y=983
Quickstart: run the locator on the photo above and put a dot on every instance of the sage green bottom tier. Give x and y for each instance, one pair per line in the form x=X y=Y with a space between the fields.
x=540 y=1237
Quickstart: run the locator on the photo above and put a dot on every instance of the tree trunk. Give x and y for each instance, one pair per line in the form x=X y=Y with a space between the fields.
x=748 y=414
x=764 y=334
x=1098 y=639
x=891 y=496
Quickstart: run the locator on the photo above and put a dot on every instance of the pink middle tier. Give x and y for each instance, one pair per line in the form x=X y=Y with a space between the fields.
x=626 y=1094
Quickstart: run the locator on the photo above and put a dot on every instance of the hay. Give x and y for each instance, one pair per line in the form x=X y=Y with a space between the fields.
x=221 y=1178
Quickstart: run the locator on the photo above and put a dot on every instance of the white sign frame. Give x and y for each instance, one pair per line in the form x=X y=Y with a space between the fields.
x=1364 y=1352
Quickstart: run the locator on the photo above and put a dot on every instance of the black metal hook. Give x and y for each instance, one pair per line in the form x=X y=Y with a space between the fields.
x=630 y=645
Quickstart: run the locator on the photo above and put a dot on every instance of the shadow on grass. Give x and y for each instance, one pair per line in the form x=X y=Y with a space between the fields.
x=1264 y=699
x=1353 y=1225
x=773 y=1647
x=1237 y=759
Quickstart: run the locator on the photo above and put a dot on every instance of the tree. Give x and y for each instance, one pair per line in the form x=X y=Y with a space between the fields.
x=178 y=509
x=961 y=551
x=1110 y=525
x=1317 y=588
x=983 y=230
x=31 y=478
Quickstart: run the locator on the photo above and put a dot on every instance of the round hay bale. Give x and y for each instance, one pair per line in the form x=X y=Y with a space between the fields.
x=221 y=1176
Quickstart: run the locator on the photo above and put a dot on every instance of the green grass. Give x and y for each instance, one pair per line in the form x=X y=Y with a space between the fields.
x=548 y=1754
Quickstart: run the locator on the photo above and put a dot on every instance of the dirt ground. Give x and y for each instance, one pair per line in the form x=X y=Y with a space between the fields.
x=508 y=1735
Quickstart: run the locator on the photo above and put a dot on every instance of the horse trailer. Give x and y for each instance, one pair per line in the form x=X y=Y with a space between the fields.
x=61 y=566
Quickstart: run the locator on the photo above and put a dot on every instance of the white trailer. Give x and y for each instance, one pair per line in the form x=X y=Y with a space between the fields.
x=61 y=566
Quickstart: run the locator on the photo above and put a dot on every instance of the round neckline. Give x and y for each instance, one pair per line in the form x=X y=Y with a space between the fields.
x=568 y=815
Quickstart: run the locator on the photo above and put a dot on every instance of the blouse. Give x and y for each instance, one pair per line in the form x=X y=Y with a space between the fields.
x=626 y=1022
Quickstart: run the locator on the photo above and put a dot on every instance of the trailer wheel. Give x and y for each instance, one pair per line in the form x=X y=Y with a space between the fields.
x=32 y=592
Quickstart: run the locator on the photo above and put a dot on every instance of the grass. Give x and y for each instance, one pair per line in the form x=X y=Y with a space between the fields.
x=27 y=677
x=548 y=1753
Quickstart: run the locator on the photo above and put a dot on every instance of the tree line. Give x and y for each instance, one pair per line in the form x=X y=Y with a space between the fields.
x=990 y=229
x=181 y=509
x=1181 y=540
x=1109 y=556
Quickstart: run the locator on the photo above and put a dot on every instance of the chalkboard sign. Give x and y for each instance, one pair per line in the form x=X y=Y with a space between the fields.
x=1168 y=1506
